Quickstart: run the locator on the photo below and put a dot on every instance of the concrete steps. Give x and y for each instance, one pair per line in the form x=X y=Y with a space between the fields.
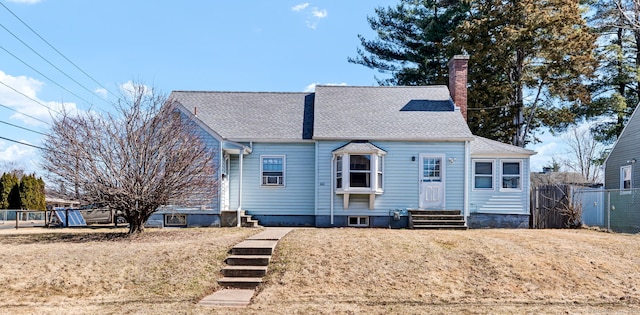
x=240 y=282
x=244 y=271
x=241 y=278
x=437 y=220
x=247 y=263
x=246 y=220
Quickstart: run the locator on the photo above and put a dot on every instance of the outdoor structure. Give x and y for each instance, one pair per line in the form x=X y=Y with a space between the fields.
x=359 y=156
x=621 y=171
x=622 y=178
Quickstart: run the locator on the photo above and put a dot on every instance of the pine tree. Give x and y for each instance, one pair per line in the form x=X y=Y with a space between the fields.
x=9 y=191
x=529 y=63
x=529 y=59
x=413 y=43
x=618 y=86
x=32 y=193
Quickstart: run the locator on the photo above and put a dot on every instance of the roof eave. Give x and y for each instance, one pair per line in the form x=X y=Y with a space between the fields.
x=438 y=139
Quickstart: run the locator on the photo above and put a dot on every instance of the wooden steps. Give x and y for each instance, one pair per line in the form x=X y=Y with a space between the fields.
x=437 y=220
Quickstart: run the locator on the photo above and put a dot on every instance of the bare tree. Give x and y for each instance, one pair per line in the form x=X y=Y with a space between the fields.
x=584 y=153
x=134 y=160
x=630 y=10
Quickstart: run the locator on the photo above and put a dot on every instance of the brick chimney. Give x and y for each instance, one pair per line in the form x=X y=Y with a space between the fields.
x=458 y=82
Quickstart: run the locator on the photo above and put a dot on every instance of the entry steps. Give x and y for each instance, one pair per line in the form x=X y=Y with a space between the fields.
x=437 y=220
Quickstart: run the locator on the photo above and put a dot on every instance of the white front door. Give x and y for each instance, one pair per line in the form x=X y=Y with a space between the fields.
x=432 y=181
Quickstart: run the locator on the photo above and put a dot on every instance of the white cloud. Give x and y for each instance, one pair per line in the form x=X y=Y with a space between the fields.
x=25 y=1
x=18 y=154
x=129 y=88
x=102 y=92
x=300 y=7
x=546 y=152
x=312 y=87
x=21 y=94
x=314 y=14
x=320 y=14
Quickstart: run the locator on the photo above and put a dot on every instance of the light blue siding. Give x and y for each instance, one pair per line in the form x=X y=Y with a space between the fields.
x=213 y=144
x=401 y=178
x=500 y=201
x=295 y=198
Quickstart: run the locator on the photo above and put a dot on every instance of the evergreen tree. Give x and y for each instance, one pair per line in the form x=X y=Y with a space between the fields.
x=529 y=59
x=532 y=58
x=9 y=191
x=618 y=88
x=32 y=193
x=413 y=43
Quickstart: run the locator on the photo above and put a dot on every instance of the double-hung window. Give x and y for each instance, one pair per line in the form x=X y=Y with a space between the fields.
x=339 y=171
x=483 y=175
x=625 y=177
x=360 y=170
x=511 y=175
x=272 y=168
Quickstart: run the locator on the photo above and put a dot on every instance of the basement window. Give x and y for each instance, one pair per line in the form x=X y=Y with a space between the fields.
x=358 y=221
x=174 y=219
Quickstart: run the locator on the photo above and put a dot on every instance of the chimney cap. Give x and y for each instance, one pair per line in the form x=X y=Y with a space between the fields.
x=458 y=57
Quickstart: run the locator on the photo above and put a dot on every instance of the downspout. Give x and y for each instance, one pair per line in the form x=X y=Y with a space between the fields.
x=315 y=202
x=333 y=160
x=467 y=163
x=240 y=187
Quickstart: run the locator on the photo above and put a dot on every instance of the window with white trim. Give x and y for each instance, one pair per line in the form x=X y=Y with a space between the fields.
x=339 y=171
x=511 y=175
x=379 y=173
x=483 y=175
x=625 y=177
x=358 y=221
x=360 y=170
x=272 y=168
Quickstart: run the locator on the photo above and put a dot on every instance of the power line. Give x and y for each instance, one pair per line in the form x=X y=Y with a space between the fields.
x=21 y=113
x=51 y=64
x=42 y=74
x=27 y=129
x=27 y=144
x=27 y=96
x=56 y=50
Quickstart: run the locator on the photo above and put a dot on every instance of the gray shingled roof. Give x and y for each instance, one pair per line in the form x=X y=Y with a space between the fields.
x=484 y=146
x=252 y=116
x=387 y=113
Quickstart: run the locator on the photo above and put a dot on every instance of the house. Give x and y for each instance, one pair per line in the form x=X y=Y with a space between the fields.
x=622 y=178
x=358 y=156
x=620 y=165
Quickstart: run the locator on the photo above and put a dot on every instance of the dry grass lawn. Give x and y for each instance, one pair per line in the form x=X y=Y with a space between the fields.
x=326 y=271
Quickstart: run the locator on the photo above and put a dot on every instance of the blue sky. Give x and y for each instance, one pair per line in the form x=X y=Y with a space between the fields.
x=248 y=45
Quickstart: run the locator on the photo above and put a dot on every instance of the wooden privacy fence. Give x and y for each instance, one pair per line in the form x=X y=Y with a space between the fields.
x=548 y=206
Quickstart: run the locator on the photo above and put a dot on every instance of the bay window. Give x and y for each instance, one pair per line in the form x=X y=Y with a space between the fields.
x=358 y=169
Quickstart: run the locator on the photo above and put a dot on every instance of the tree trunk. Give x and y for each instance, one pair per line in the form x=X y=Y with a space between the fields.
x=136 y=224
